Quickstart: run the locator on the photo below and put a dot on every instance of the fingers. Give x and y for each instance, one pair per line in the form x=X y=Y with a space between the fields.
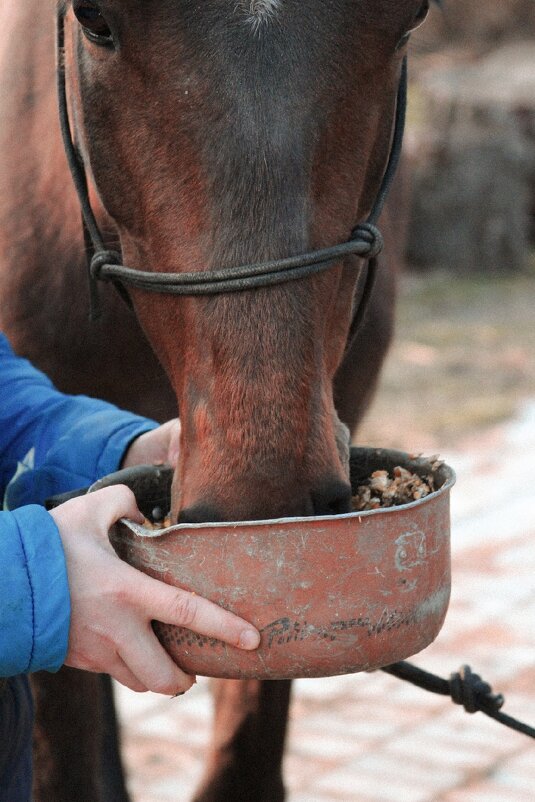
x=148 y=662
x=154 y=447
x=120 y=672
x=96 y=512
x=181 y=608
x=103 y=658
x=112 y=503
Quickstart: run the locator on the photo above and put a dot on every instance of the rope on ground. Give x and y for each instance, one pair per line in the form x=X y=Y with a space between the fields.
x=464 y=688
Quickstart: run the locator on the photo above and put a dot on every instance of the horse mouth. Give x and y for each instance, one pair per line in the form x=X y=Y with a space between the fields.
x=381 y=480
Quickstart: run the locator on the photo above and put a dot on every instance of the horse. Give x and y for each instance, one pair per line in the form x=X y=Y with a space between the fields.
x=213 y=134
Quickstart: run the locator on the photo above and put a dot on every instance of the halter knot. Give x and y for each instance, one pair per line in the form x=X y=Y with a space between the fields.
x=470 y=691
x=371 y=235
x=99 y=260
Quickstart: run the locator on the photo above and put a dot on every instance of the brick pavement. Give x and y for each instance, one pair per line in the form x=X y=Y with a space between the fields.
x=370 y=737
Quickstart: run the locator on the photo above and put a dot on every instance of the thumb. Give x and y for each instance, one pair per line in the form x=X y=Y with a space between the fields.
x=111 y=503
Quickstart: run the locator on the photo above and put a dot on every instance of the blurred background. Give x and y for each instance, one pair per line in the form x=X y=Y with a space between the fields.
x=459 y=381
x=464 y=355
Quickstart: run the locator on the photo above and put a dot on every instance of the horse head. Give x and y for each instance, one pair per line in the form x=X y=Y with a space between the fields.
x=225 y=132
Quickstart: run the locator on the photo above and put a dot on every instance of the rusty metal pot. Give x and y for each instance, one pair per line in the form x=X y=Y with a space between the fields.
x=330 y=595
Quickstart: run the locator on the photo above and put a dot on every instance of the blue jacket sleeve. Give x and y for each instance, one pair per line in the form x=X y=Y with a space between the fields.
x=49 y=443
x=34 y=593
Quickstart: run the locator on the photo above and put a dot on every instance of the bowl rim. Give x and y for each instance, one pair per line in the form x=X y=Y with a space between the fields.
x=449 y=481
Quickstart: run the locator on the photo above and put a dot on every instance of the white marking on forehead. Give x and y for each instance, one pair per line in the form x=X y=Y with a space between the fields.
x=258 y=12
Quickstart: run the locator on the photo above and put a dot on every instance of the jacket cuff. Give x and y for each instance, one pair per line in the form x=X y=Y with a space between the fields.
x=96 y=444
x=119 y=440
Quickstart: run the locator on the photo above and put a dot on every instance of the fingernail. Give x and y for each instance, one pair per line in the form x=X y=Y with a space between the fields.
x=249 y=639
x=180 y=693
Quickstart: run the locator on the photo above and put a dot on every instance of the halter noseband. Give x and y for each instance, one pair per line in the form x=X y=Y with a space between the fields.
x=105 y=265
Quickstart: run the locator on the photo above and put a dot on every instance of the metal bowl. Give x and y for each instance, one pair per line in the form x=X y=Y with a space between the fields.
x=330 y=595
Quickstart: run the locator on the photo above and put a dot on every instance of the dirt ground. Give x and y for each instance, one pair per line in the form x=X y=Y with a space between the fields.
x=462 y=361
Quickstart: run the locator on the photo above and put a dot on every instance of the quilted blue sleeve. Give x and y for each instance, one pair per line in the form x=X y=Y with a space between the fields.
x=49 y=443
x=34 y=593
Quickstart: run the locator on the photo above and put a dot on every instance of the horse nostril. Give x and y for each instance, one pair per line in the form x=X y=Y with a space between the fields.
x=199 y=514
x=332 y=499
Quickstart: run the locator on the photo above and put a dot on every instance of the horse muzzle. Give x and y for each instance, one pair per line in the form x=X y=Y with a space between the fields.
x=332 y=498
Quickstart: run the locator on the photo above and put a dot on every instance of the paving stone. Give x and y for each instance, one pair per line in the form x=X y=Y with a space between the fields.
x=524 y=762
x=464 y=758
x=351 y=783
x=359 y=727
x=486 y=792
x=315 y=744
x=414 y=769
x=312 y=795
x=514 y=780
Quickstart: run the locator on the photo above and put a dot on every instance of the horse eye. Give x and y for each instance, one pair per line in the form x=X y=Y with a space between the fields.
x=92 y=21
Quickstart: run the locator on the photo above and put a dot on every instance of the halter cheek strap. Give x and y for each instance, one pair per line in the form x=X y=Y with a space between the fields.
x=106 y=265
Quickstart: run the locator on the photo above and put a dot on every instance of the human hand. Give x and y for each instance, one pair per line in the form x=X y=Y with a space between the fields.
x=155 y=447
x=113 y=604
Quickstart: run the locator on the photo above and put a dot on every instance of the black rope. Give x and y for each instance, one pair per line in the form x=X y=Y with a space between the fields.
x=464 y=688
x=367 y=241
x=74 y=161
x=106 y=265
